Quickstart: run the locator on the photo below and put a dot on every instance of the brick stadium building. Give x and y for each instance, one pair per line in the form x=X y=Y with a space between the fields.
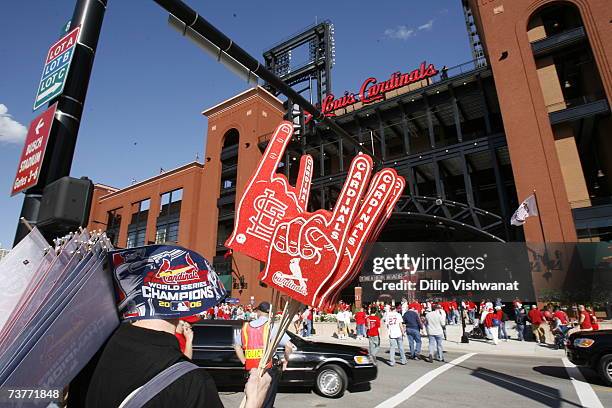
x=531 y=111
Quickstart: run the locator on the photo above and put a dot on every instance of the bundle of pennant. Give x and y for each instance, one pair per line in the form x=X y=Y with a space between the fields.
x=57 y=309
x=311 y=256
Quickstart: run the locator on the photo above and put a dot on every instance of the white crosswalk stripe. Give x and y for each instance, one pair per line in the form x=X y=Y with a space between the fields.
x=585 y=392
x=422 y=381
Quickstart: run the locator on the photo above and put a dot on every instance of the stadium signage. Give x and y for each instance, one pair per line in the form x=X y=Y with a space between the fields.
x=373 y=91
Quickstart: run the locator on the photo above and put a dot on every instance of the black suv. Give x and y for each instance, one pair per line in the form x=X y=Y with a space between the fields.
x=329 y=368
x=593 y=349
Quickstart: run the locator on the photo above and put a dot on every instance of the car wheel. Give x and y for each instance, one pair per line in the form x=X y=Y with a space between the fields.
x=331 y=381
x=605 y=369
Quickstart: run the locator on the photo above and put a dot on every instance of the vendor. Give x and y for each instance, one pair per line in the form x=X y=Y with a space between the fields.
x=249 y=344
x=139 y=351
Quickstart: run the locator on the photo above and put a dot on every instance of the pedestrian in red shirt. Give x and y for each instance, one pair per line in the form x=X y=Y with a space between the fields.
x=372 y=326
x=536 y=318
x=584 y=318
x=446 y=307
x=594 y=323
x=360 y=321
x=471 y=309
x=561 y=315
x=488 y=319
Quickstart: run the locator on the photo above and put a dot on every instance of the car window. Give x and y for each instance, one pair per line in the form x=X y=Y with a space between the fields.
x=210 y=335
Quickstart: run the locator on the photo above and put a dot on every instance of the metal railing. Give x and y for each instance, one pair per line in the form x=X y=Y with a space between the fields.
x=558 y=40
x=446 y=73
x=572 y=102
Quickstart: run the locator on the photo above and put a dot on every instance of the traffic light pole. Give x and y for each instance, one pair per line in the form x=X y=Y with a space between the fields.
x=89 y=14
x=191 y=19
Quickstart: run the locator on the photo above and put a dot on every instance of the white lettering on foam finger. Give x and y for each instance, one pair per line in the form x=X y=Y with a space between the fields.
x=349 y=203
x=279 y=279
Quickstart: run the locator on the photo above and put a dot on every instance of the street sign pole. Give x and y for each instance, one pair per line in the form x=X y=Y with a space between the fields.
x=89 y=15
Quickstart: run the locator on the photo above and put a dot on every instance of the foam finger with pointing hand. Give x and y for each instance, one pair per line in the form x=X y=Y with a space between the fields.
x=268 y=198
x=321 y=238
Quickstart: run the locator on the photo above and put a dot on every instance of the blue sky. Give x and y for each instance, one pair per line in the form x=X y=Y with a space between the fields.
x=149 y=85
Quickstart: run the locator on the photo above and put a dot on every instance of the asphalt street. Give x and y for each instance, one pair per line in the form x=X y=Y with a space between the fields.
x=465 y=380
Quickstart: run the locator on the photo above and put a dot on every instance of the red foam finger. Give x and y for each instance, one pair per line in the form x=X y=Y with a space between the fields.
x=304 y=180
x=274 y=152
x=266 y=200
x=278 y=244
x=355 y=268
x=349 y=199
x=397 y=193
x=372 y=207
x=292 y=236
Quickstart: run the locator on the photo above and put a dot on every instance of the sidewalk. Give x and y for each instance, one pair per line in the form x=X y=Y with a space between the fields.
x=326 y=333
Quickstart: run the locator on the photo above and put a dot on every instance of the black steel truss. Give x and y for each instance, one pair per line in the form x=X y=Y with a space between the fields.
x=451 y=213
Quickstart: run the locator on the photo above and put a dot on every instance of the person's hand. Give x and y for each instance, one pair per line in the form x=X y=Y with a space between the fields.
x=187 y=332
x=256 y=388
x=268 y=198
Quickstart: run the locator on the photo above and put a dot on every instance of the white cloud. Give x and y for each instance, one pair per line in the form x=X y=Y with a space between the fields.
x=11 y=131
x=427 y=26
x=402 y=32
x=399 y=33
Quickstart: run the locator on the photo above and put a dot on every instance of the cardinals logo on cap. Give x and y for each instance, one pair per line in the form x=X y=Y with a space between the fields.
x=163 y=282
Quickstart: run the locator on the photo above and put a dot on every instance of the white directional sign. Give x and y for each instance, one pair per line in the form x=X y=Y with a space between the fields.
x=57 y=66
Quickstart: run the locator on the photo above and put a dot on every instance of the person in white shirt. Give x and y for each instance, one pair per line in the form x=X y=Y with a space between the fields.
x=404 y=306
x=393 y=321
x=348 y=315
x=434 y=324
x=444 y=316
x=344 y=318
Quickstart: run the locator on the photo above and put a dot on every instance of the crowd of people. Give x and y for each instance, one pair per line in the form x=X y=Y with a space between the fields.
x=411 y=321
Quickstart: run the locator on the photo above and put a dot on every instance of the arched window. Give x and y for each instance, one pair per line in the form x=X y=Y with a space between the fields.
x=553 y=19
x=229 y=161
x=227 y=200
x=231 y=138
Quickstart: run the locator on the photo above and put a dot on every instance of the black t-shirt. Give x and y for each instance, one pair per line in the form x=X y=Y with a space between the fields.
x=134 y=355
